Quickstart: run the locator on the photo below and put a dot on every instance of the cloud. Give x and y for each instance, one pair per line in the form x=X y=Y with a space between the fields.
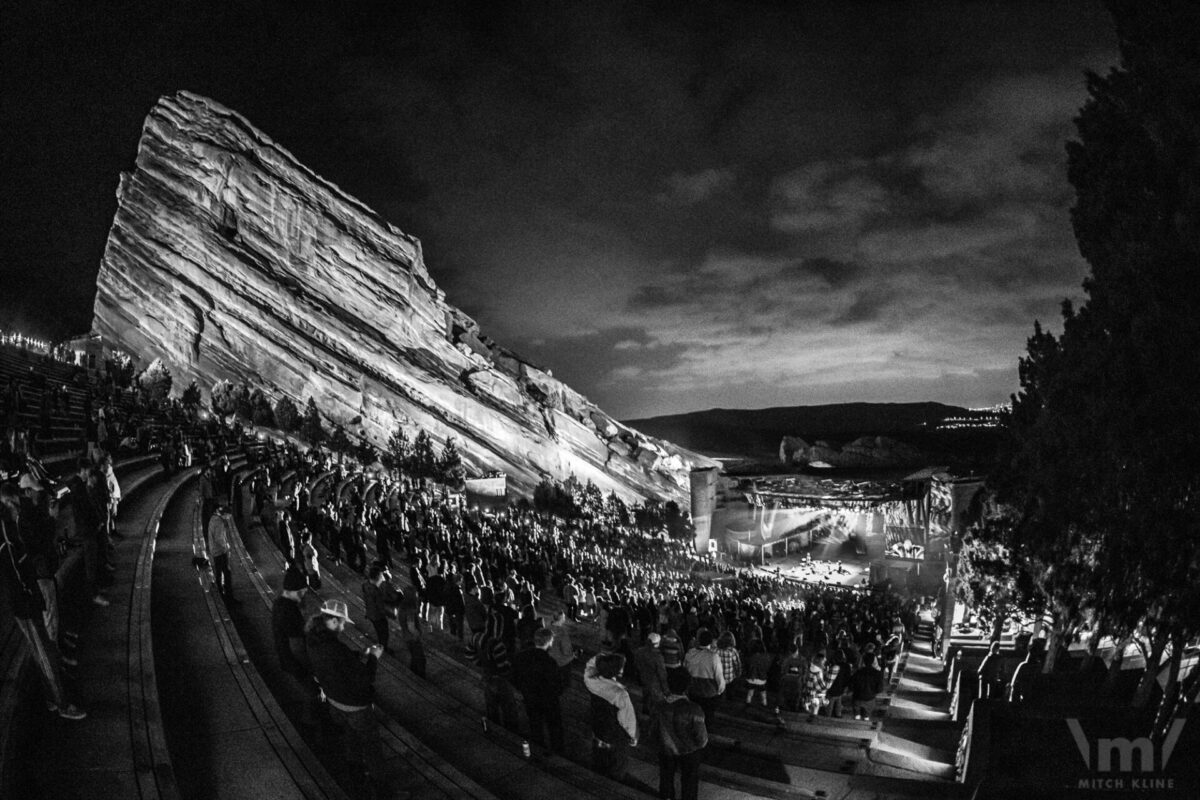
x=836 y=273
x=688 y=189
x=676 y=219
x=826 y=195
x=868 y=306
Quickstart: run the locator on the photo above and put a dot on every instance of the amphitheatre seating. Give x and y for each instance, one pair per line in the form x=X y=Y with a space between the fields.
x=756 y=755
x=413 y=762
x=430 y=715
x=65 y=436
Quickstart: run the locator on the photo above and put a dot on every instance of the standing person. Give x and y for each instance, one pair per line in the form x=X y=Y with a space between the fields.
x=347 y=680
x=989 y=673
x=435 y=594
x=570 y=595
x=678 y=732
x=865 y=684
x=287 y=629
x=561 y=648
x=891 y=653
x=671 y=649
x=222 y=477
x=757 y=669
x=614 y=722
x=381 y=600
x=651 y=671
x=25 y=601
x=221 y=530
x=536 y=676
x=1022 y=680
x=36 y=528
x=287 y=626
x=208 y=497
x=475 y=613
x=707 y=674
x=113 y=490
x=839 y=682
x=815 y=685
x=89 y=529
x=455 y=605
x=490 y=653
x=731 y=659
x=307 y=559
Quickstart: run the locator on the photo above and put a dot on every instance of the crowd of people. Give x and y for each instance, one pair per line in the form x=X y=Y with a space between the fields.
x=694 y=633
x=518 y=587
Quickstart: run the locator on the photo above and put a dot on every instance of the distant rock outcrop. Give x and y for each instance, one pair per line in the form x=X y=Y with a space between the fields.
x=227 y=258
x=866 y=451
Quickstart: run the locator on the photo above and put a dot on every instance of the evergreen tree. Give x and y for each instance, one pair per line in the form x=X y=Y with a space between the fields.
x=226 y=397
x=191 y=396
x=155 y=381
x=339 y=442
x=398 y=450
x=245 y=403
x=543 y=495
x=615 y=507
x=591 y=498
x=366 y=453
x=261 y=412
x=423 y=461
x=287 y=416
x=1102 y=466
x=311 y=429
x=450 y=466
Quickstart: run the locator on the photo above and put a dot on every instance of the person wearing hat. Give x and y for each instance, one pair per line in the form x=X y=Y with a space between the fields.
x=347 y=679
x=651 y=671
x=221 y=530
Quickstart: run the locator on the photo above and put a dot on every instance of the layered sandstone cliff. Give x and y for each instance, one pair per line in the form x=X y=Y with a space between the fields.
x=228 y=259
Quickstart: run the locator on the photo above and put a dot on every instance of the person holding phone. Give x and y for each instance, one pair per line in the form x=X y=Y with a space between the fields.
x=347 y=680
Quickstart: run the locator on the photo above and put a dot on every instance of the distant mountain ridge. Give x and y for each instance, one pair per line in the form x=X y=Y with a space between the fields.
x=758 y=432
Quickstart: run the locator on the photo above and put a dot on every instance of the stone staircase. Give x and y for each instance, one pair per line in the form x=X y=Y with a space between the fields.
x=918 y=733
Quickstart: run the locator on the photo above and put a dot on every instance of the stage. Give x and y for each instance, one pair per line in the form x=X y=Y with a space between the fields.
x=851 y=574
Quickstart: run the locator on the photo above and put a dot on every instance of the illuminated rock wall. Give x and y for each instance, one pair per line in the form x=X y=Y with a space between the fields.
x=227 y=258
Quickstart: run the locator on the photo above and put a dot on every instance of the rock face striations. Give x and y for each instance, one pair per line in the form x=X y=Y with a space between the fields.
x=228 y=259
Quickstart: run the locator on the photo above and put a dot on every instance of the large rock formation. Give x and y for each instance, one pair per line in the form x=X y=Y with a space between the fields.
x=228 y=259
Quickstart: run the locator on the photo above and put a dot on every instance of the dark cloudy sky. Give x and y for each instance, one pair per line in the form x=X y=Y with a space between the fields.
x=674 y=206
